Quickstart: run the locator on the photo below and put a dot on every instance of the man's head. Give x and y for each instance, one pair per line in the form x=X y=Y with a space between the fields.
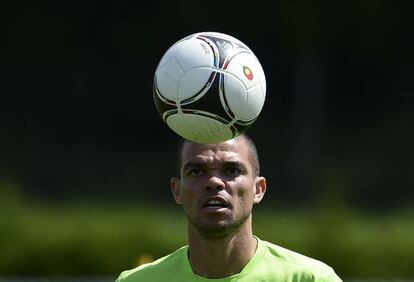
x=253 y=154
x=218 y=185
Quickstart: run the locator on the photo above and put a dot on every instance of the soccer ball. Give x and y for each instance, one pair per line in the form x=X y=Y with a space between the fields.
x=209 y=87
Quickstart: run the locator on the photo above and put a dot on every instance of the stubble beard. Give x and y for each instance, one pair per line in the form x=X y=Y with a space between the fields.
x=219 y=229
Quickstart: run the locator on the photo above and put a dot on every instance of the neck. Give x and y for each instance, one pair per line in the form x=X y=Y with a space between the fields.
x=213 y=257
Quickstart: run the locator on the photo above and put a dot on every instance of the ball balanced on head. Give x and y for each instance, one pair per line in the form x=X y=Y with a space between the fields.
x=209 y=87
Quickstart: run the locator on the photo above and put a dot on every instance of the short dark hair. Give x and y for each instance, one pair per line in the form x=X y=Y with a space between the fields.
x=253 y=154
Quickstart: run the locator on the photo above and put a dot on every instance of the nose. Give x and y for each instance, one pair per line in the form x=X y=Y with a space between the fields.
x=215 y=182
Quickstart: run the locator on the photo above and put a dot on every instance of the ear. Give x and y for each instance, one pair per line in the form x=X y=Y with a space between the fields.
x=260 y=189
x=175 y=189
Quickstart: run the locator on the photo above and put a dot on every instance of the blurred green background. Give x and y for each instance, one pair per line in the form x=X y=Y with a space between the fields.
x=84 y=238
x=85 y=159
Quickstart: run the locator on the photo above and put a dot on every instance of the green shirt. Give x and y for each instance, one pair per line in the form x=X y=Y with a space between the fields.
x=270 y=263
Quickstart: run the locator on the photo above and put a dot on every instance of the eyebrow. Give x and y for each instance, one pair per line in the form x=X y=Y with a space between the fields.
x=192 y=164
x=234 y=163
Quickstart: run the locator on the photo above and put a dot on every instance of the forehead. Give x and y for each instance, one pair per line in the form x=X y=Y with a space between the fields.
x=232 y=150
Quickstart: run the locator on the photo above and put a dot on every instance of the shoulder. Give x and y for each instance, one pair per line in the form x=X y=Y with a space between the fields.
x=158 y=270
x=302 y=267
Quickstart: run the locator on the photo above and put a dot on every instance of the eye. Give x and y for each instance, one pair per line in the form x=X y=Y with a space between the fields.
x=194 y=172
x=233 y=171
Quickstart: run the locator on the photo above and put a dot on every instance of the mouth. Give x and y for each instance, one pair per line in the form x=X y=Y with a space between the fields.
x=215 y=203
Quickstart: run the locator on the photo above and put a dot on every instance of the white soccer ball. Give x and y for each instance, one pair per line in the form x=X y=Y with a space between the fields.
x=209 y=87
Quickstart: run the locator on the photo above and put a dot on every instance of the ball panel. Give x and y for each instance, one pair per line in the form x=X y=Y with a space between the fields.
x=218 y=36
x=242 y=86
x=161 y=104
x=191 y=55
x=234 y=93
x=193 y=82
x=245 y=66
x=199 y=128
x=209 y=102
x=224 y=47
x=167 y=79
x=254 y=103
x=194 y=53
x=262 y=78
x=241 y=127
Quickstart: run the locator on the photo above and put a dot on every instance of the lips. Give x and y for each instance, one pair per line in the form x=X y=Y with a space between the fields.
x=215 y=202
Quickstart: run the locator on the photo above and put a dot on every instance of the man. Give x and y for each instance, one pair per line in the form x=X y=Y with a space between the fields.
x=217 y=188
